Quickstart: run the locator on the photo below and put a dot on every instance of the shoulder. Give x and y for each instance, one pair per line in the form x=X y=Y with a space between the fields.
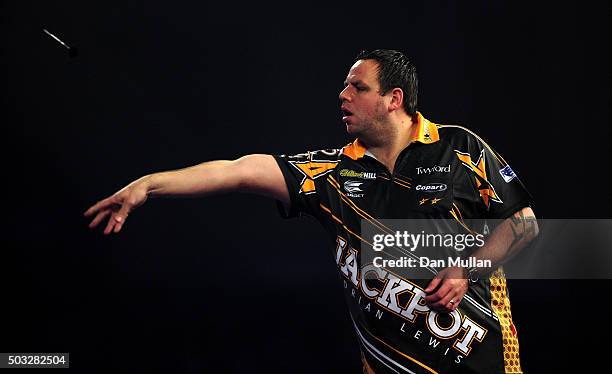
x=465 y=142
x=460 y=136
x=320 y=155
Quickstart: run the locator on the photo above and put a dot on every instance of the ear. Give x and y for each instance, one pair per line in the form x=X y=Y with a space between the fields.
x=397 y=99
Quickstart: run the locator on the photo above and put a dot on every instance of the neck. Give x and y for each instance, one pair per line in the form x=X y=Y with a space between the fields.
x=391 y=143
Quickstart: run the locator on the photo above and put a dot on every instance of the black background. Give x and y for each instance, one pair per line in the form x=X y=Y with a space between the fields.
x=223 y=282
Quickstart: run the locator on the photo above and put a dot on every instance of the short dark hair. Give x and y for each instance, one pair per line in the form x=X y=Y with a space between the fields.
x=395 y=70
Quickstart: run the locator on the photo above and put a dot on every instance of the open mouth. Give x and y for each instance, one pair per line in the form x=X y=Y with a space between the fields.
x=345 y=113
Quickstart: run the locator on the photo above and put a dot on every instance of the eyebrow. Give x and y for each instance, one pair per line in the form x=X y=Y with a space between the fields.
x=356 y=82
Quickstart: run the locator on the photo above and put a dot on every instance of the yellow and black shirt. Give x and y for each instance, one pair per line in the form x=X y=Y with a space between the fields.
x=447 y=172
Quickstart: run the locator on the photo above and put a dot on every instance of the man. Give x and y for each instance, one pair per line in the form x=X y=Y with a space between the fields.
x=399 y=166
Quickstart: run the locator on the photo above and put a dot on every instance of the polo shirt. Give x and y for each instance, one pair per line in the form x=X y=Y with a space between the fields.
x=446 y=172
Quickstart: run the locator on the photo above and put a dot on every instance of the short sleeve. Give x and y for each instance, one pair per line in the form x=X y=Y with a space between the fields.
x=501 y=191
x=303 y=175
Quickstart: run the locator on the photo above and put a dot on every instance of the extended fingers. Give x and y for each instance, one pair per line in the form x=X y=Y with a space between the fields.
x=98 y=206
x=118 y=207
x=110 y=225
x=99 y=217
x=119 y=221
x=107 y=203
x=106 y=207
x=114 y=224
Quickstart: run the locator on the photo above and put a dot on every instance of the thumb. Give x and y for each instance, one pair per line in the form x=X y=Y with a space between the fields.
x=121 y=216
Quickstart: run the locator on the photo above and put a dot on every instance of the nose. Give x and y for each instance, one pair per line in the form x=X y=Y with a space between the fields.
x=344 y=94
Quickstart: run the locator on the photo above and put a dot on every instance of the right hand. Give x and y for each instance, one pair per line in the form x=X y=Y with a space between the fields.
x=118 y=206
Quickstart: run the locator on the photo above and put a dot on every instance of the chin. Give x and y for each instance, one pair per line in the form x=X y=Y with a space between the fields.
x=351 y=128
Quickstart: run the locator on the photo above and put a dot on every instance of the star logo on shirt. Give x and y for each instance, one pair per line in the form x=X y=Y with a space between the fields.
x=423 y=201
x=312 y=170
x=479 y=170
x=434 y=201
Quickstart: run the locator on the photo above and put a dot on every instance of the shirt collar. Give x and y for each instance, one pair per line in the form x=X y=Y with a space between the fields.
x=425 y=132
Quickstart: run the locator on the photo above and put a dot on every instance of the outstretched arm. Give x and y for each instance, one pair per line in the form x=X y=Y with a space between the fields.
x=257 y=174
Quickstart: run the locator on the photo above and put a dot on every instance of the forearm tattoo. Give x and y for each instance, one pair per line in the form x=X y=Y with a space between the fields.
x=522 y=227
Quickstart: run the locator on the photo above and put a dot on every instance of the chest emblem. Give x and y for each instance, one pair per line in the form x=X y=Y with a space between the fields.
x=353 y=188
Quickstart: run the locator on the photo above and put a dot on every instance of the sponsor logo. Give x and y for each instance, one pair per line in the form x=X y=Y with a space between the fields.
x=431 y=187
x=507 y=173
x=433 y=169
x=357 y=174
x=352 y=188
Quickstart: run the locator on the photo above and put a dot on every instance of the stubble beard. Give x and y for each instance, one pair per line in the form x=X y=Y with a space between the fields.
x=374 y=133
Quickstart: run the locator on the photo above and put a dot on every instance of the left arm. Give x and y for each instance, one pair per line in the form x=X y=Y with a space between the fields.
x=504 y=242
